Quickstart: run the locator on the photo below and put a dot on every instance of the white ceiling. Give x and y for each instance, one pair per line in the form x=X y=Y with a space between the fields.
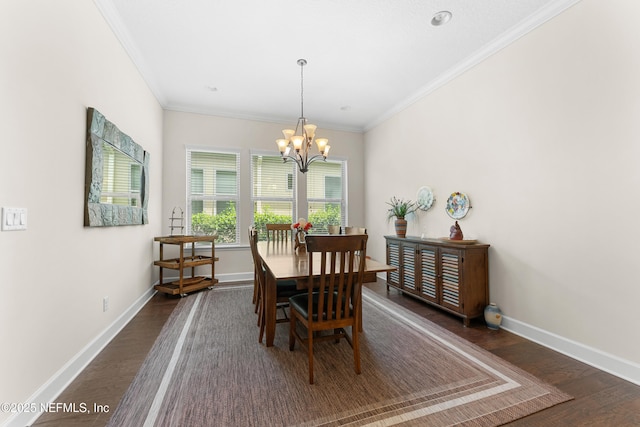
x=367 y=59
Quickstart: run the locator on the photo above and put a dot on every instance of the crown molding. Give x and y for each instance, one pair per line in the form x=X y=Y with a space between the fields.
x=532 y=22
x=112 y=17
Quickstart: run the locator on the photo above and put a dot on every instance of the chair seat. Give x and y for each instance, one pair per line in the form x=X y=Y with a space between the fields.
x=300 y=302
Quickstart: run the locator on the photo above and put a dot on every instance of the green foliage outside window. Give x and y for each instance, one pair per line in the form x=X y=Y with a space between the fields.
x=322 y=219
x=260 y=219
x=225 y=222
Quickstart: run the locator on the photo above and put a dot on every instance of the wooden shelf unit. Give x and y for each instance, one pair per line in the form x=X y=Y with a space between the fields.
x=452 y=276
x=185 y=285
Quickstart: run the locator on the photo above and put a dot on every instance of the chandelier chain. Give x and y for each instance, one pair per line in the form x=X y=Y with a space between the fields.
x=302 y=88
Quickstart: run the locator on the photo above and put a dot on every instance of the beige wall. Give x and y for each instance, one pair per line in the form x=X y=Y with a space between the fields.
x=188 y=129
x=58 y=58
x=544 y=137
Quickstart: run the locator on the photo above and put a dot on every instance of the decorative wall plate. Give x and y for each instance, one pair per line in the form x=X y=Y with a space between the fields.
x=457 y=205
x=424 y=198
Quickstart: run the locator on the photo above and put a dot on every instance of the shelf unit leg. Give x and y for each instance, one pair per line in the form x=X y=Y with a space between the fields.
x=181 y=269
x=161 y=258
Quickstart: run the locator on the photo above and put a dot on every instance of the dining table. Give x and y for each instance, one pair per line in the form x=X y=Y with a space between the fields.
x=284 y=262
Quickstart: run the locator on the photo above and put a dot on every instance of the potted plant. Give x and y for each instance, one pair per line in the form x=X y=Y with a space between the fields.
x=399 y=209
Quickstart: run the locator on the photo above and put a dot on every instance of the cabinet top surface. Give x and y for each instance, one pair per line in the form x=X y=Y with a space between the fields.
x=440 y=242
x=184 y=239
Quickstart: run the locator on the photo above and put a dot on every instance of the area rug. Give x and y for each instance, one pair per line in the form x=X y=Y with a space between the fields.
x=208 y=369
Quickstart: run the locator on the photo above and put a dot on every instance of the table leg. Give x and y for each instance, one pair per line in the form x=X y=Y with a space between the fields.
x=270 y=308
x=359 y=319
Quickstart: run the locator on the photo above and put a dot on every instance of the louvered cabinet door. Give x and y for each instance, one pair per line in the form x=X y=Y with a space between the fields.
x=427 y=257
x=409 y=272
x=393 y=259
x=451 y=279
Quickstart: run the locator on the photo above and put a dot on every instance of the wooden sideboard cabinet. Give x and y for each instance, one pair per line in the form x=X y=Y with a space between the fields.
x=452 y=276
x=184 y=285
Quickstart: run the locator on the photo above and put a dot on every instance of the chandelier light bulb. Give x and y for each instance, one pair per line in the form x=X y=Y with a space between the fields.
x=297 y=141
x=282 y=145
x=288 y=133
x=310 y=130
x=322 y=144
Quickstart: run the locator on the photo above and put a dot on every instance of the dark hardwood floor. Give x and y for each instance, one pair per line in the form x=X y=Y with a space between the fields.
x=600 y=399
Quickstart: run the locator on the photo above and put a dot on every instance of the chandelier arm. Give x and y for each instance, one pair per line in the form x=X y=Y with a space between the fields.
x=289 y=158
x=316 y=157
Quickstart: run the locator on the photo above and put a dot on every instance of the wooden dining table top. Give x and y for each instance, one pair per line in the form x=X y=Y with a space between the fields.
x=285 y=262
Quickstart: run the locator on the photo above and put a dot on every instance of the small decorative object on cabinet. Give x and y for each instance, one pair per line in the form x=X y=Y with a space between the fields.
x=451 y=276
x=399 y=209
x=493 y=316
x=184 y=285
x=455 y=232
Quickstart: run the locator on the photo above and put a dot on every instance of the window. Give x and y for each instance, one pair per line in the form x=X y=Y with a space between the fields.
x=213 y=194
x=273 y=191
x=326 y=194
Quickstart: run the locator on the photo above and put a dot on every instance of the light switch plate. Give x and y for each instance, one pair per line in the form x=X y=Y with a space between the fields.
x=14 y=219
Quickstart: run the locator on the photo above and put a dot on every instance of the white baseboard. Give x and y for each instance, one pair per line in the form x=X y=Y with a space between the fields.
x=50 y=390
x=606 y=362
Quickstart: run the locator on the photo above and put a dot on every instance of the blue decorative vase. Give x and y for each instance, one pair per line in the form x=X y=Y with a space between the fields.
x=493 y=316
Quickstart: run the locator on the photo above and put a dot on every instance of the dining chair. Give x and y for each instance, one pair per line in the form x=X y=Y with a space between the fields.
x=256 y=291
x=284 y=288
x=279 y=232
x=355 y=230
x=333 y=298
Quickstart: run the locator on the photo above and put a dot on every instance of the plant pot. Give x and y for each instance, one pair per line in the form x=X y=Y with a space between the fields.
x=401 y=227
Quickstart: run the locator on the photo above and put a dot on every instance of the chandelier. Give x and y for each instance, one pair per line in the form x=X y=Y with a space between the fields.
x=297 y=146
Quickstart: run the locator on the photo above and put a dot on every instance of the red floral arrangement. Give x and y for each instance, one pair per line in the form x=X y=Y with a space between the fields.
x=302 y=225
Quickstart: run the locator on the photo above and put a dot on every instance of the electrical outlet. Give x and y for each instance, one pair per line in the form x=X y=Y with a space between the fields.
x=105 y=304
